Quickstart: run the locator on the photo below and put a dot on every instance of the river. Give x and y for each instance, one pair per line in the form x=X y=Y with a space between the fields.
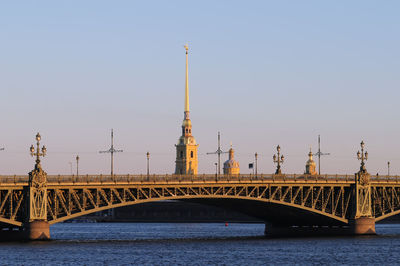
x=197 y=244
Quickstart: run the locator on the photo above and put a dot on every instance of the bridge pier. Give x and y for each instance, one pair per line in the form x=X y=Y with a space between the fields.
x=37 y=230
x=31 y=231
x=359 y=226
x=363 y=226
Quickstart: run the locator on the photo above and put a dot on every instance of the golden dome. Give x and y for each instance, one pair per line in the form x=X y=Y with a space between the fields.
x=231 y=166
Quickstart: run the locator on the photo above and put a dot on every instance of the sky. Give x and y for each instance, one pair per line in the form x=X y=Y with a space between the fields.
x=262 y=73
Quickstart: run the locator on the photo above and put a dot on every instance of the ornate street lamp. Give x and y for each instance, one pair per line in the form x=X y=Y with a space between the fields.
x=36 y=152
x=363 y=156
x=278 y=159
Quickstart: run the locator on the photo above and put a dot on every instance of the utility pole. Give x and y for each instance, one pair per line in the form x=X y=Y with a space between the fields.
x=77 y=165
x=218 y=152
x=148 y=168
x=255 y=157
x=319 y=154
x=112 y=151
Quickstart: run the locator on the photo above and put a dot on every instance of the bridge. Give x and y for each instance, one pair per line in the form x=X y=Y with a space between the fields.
x=337 y=204
x=28 y=207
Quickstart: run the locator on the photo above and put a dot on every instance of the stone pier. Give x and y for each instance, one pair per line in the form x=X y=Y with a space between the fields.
x=37 y=230
x=360 y=226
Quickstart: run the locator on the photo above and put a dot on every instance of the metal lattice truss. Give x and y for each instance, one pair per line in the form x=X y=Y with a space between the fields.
x=327 y=200
x=70 y=201
x=385 y=200
x=12 y=201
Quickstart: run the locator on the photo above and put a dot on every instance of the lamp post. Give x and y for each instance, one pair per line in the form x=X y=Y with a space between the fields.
x=388 y=168
x=216 y=170
x=77 y=165
x=278 y=159
x=36 y=152
x=363 y=156
x=255 y=157
x=148 y=166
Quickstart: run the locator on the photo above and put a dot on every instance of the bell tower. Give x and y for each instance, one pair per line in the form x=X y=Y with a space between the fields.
x=186 y=150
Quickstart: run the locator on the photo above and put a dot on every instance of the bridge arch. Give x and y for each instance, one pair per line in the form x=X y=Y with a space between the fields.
x=261 y=208
x=322 y=202
x=387 y=215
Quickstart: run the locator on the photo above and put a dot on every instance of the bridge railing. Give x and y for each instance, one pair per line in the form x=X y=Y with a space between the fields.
x=13 y=179
x=23 y=179
x=385 y=178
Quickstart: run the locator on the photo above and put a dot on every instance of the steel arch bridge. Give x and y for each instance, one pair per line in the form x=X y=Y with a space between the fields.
x=299 y=200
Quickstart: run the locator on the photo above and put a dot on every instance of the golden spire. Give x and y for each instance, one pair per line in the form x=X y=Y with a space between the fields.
x=231 y=152
x=310 y=155
x=187 y=85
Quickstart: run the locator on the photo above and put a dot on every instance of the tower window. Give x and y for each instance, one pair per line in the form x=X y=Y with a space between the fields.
x=191 y=154
x=181 y=154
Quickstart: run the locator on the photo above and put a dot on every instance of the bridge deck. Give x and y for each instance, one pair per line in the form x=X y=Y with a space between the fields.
x=14 y=180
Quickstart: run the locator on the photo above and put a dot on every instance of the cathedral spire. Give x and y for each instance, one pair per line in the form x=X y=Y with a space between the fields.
x=186 y=150
x=187 y=84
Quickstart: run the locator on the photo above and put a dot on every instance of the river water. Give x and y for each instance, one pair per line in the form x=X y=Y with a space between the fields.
x=197 y=244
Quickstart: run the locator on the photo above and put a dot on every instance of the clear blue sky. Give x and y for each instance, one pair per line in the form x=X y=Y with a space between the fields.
x=261 y=72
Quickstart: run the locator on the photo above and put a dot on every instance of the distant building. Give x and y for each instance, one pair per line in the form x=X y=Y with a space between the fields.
x=231 y=167
x=186 y=149
x=310 y=165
